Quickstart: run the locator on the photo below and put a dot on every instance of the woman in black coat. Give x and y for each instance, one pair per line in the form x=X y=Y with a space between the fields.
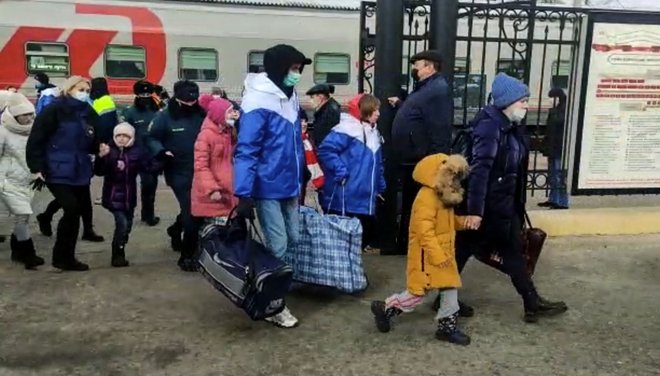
x=497 y=190
x=327 y=112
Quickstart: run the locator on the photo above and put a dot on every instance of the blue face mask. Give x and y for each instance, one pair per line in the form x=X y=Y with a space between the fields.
x=292 y=79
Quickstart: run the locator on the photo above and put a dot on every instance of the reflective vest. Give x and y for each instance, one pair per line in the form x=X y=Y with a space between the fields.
x=104 y=105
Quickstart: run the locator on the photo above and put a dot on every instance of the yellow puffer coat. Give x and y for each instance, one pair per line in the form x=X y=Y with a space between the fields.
x=433 y=225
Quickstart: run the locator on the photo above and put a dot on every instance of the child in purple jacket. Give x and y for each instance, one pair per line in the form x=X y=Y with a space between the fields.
x=120 y=162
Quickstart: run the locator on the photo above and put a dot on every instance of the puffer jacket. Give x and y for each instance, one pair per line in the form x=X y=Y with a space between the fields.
x=119 y=183
x=498 y=171
x=269 y=157
x=46 y=97
x=214 y=150
x=61 y=141
x=15 y=176
x=433 y=224
x=352 y=152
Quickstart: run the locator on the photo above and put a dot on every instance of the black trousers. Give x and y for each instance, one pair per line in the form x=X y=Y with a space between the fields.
x=148 y=187
x=368 y=226
x=409 y=190
x=509 y=248
x=191 y=224
x=74 y=200
x=87 y=211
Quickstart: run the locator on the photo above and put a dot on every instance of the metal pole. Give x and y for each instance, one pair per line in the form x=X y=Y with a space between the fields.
x=444 y=23
x=387 y=79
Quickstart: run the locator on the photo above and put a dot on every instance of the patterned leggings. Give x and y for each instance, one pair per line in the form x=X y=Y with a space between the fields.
x=407 y=302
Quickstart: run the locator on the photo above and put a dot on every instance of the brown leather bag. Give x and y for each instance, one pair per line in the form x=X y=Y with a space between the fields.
x=532 y=239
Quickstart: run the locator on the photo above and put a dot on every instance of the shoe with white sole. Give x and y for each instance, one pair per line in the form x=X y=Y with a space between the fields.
x=283 y=319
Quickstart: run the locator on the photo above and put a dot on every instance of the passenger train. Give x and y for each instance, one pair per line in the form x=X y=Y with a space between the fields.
x=217 y=42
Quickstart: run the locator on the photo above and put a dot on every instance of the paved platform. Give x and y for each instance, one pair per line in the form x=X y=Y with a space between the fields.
x=152 y=319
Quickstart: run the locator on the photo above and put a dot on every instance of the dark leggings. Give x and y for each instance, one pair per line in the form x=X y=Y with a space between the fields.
x=469 y=243
x=87 y=212
x=74 y=200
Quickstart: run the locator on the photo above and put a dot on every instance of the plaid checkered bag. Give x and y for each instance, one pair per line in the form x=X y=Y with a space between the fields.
x=328 y=252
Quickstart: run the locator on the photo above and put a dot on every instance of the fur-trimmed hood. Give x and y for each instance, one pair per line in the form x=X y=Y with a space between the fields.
x=443 y=174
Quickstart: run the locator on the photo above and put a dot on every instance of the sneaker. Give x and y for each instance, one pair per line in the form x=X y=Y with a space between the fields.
x=283 y=319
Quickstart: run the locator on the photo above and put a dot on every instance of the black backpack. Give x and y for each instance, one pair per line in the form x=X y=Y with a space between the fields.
x=463 y=142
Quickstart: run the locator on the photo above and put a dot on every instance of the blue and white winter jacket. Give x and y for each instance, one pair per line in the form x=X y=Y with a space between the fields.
x=269 y=155
x=352 y=153
x=47 y=97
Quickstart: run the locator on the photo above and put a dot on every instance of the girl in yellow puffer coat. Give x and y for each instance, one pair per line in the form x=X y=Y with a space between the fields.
x=431 y=258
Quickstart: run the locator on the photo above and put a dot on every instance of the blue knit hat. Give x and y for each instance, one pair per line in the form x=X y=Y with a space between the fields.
x=508 y=90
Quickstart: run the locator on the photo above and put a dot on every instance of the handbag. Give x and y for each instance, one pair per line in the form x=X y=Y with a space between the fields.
x=532 y=239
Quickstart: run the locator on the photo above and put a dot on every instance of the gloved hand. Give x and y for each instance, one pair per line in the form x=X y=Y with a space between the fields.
x=245 y=208
x=38 y=183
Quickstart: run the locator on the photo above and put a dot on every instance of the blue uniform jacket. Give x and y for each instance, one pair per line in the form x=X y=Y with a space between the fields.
x=269 y=155
x=352 y=152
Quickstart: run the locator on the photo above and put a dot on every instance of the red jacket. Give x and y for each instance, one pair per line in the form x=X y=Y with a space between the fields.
x=214 y=151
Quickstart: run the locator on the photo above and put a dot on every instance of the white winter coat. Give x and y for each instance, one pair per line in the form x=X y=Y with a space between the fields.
x=15 y=191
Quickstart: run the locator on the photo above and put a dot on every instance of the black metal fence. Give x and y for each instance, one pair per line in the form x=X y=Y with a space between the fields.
x=538 y=44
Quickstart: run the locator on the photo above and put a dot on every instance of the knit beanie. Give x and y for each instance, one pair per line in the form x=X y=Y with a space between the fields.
x=125 y=129
x=99 y=88
x=71 y=82
x=508 y=90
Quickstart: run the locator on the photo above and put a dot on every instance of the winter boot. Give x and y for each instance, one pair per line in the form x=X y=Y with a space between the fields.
x=383 y=316
x=187 y=264
x=91 y=236
x=539 y=307
x=45 y=227
x=119 y=256
x=174 y=232
x=448 y=331
x=31 y=260
x=151 y=222
x=464 y=310
x=71 y=266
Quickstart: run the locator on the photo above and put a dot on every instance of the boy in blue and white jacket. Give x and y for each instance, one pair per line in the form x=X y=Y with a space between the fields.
x=269 y=156
x=351 y=157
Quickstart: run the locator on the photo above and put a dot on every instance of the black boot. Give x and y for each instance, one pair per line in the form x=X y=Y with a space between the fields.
x=383 y=316
x=175 y=232
x=45 y=227
x=151 y=222
x=187 y=264
x=91 y=236
x=448 y=331
x=464 y=310
x=538 y=307
x=30 y=260
x=119 y=256
x=71 y=266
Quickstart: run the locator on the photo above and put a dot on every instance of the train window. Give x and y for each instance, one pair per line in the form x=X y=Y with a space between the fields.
x=125 y=61
x=50 y=58
x=512 y=67
x=560 y=74
x=255 y=62
x=332 y=68
x=198 y=64
x=461 y=65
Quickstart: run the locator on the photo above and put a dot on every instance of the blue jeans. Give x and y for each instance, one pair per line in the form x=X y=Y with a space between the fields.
x=280 y=223
x=558 y=194
x=123 y=227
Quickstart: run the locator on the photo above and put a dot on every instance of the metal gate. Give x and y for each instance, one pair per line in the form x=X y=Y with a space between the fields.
x=538 y=44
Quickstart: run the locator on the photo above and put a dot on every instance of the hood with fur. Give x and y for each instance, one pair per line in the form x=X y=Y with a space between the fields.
x=443 y=174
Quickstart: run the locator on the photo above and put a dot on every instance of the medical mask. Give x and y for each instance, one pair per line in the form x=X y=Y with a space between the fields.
x=230 y=122
x=518 y=115
x=81 y=96
x=292 y=79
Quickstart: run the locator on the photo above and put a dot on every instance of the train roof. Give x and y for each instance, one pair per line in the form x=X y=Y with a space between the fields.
x=348 y=5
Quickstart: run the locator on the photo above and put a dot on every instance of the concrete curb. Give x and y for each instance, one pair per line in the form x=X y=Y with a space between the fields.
x=601 y=221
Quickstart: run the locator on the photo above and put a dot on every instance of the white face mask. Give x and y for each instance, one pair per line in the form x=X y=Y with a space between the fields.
x=518 y=115
x=81 y=96
x=230 y=122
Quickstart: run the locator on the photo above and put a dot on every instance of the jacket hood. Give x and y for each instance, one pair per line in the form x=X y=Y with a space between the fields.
x=354 y=106
x=4 y=98
x=8 y=121
x=443 y=174
x=216 y=109
x=51 y=91
x=259 y=82
x=277 y=62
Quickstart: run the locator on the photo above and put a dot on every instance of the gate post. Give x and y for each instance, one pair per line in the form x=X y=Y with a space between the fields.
x=387 y=79
x=444 y=23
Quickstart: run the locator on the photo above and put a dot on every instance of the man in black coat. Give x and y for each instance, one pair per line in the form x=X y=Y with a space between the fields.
x=327 y=111
x=422 y=126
